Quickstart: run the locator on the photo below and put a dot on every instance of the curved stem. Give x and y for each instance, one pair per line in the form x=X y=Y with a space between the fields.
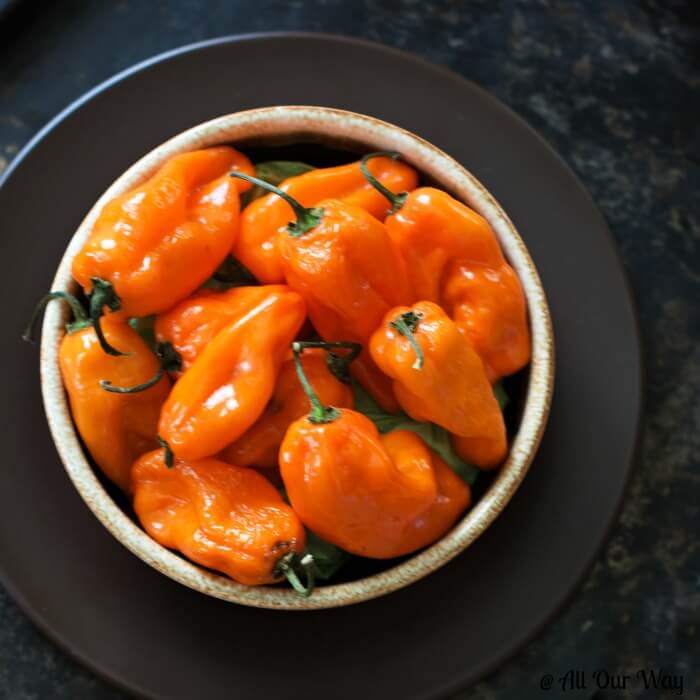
x=287 y=566
x=319 y=412
x=406 y=324
x=337 y=364
x=307 y=218
x=396 y=200
x=168 y=456
x=170 y=361
x=103 y=294
x=108 y=386
x=80 y=319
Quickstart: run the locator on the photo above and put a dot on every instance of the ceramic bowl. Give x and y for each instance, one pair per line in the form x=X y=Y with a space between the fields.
x=289 y=124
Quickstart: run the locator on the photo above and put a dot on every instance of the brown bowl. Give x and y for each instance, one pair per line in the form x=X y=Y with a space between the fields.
x=288 y=124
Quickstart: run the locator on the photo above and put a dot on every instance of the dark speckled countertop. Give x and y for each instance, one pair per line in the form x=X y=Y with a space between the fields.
x=614 y=86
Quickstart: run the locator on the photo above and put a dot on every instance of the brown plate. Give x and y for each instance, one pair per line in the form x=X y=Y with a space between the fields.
x=158 y=639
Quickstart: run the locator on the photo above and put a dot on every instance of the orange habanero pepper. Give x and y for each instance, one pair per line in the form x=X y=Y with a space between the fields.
x=266 y=218
x=488 y=306
x=367 y=494
x=452 y=499
x=453 y=258
x=260 y=445
x=193 y=323
x=151 y=247
x=342 y=261
x=116 y=425
x=438 y=377
x=227 y=387
x=224 y=517
x=431 y=228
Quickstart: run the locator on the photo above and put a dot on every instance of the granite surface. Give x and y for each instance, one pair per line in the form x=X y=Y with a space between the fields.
x=614 y=86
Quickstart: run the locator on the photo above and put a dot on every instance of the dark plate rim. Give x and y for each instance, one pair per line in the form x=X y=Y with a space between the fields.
x=509 y=650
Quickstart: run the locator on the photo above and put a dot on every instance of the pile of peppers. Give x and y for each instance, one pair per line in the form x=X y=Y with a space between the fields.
x=225 y=408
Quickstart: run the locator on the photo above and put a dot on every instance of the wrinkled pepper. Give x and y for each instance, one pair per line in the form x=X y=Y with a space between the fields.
x=438 y=377
x=193 y=323
x=227 y=387
x=488 y=306
x=431 y=228
x=260 y=445
x=116 y=427
x=266 y=218
x=453 y=496
x=224 y=517
x=453 y=258
x=377 y=497
x=342 y=261
x=153 y=246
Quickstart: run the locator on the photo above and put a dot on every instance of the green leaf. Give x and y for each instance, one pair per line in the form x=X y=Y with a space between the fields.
x=275 y=172
x=327 y=557
x=364 y=403
x=231 y=273
x=433 y=435
x=501 y=395
x=145 y=327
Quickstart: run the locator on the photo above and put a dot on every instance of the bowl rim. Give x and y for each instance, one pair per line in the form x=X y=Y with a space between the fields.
x=328 y=123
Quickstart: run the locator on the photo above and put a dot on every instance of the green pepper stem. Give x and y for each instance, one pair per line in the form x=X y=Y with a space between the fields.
x=287 y=566
x=406 y=324
x=108 y=386
x=307 y=218
x=170 y=361
x=103 y=294
x=337 y=364
x=319 y=412
x=397 y=200
x=80 y=319
x=168 y=456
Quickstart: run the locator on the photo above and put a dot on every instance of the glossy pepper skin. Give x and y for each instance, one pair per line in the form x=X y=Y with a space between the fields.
x=431 y=229
x=116 y=428
x=260 y=445
x=377 y=497
x=488 y=306
x=450 y=386
x=453 y=497
x=266 y=218
x=227 y=387
x=193 y=323
x=224 y=517
x=486 y=453
x=157 y=243
x=350 y=274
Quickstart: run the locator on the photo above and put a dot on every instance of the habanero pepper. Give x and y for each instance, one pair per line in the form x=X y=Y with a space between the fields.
x=260 y=445
x=377 y=497
x=154 y=245
x=342 y=261
x=431 y=228
x=266 y=218
x=116 y=424
x=227 y=387
x=193 y=323
x=488 y=306
x=438 y=377
x=453 y=258
x=452 y=499
x=224 y=517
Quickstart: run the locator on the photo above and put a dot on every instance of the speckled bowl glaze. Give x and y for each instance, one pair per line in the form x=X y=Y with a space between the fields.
x=289 y=124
